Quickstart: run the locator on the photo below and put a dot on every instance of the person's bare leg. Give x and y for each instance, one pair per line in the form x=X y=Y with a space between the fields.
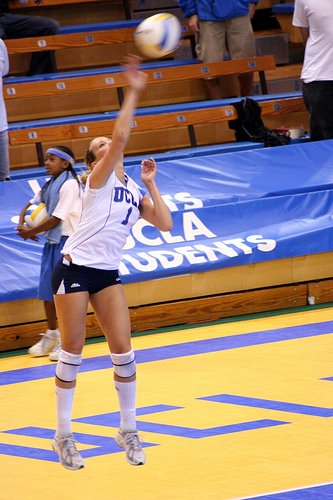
x=111 y=309
x=246 y=84
x=51 y=315
x=72 y=311
x=213 y=88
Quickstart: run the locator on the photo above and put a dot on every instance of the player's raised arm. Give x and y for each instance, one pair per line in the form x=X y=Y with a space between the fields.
x=105 y=162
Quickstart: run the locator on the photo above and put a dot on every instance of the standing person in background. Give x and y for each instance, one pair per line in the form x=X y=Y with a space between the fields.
x=221 y=27
x=62 y=195
x=112 y=203
x=22 y=26
x=4 y=145
x=314 y=18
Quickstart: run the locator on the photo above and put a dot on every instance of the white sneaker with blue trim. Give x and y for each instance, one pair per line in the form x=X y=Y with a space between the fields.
x=65 y=448
x=129 y=440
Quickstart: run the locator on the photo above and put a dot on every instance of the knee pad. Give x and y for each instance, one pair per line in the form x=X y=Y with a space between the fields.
x=124 y=364
x=68 y=366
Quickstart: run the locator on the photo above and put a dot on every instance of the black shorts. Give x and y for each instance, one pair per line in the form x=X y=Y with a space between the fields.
x=70 y=278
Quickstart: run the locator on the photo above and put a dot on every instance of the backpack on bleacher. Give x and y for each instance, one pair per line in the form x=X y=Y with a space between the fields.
x=250 y=127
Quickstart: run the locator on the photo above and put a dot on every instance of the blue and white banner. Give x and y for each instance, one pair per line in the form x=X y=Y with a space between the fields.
x=228 y=210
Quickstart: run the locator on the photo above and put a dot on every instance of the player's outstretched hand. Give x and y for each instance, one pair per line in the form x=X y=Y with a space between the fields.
x=148 y=170
x=136 y=79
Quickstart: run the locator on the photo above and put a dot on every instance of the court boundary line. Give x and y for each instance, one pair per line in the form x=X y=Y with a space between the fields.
x=282 y=491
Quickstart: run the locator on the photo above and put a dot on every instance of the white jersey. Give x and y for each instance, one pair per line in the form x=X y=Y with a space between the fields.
x=317 y=16
x=4 y=68
x=108 y=214
x=69 y=206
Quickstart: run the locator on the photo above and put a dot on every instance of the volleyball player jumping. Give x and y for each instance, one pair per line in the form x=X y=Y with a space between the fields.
x=88 y=272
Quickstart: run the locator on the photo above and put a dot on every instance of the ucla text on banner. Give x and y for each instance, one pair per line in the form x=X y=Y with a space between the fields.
x=228 y=210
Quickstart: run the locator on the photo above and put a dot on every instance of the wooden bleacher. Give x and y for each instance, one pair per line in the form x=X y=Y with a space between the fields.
x=24 y=4
x=107 y=98
x=85 y=45
x=182 y=117
x=25 y=96
x=83 y=38
x=113 y=77
x=92 y=34
x=100 y=90
x=72 y=12
x=63 y=10
x=286 y=78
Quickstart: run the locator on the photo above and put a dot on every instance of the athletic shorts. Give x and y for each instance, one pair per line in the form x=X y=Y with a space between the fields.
x=217 y=39
x=70 y=278
x=51 y=255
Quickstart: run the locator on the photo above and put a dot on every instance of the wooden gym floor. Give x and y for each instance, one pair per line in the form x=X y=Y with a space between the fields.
x=227 y=410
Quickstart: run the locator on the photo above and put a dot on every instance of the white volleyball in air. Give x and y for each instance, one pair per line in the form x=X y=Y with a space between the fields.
x=35 y=215
x=158 y=35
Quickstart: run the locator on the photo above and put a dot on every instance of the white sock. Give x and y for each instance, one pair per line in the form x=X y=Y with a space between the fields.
x=53 y=333
x=127 y=402
x=64 y=401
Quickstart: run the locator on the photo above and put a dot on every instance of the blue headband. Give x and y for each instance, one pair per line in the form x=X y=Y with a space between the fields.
x=61 y=154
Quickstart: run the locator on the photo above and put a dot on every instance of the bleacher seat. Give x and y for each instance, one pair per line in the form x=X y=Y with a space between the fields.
x=283 y=8
x=148 y=119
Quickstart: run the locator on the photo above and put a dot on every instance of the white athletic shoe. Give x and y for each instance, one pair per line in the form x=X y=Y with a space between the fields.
x=65 y=448
x=54 y=354
x=129 y=440
x=48 y=341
